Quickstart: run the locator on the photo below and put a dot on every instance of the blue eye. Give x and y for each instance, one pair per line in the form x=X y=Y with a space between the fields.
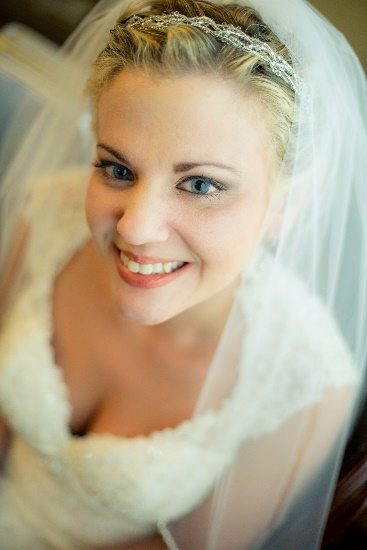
x=200 y=185
x=119 y=172
x=114 y=171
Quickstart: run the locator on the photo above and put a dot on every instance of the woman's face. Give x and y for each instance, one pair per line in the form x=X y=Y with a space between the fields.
x=179 y=192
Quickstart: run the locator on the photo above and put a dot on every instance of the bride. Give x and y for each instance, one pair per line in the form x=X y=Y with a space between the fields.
x=181 y=343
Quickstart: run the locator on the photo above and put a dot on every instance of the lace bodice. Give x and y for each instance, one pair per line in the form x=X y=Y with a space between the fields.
x=63 y=491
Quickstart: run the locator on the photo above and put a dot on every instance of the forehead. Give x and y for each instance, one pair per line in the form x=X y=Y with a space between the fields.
x=195 y=113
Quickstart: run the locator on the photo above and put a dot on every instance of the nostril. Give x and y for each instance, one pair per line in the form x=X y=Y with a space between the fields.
x=140 y=228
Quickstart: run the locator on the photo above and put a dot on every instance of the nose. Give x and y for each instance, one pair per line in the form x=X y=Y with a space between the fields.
x=143 y=216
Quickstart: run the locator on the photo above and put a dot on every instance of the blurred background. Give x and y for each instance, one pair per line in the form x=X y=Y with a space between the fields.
x=56 y=19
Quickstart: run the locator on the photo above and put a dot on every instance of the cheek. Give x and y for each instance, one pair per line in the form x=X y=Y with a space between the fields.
x=233 y=235
x=100 y=212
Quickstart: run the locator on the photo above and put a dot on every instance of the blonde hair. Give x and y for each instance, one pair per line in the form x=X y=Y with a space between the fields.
x=184 y=49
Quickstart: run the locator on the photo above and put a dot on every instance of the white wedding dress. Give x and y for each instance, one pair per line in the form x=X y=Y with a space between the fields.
x=61 y=491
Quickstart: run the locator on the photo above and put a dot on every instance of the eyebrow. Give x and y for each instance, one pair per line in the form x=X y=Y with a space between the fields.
x=186 y=166
x=178 y=168
x=113 y=152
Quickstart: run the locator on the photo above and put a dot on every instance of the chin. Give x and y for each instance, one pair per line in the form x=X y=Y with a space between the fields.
x=146 y=317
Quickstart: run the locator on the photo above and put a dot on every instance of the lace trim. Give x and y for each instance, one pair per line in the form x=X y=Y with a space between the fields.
x=247 y=418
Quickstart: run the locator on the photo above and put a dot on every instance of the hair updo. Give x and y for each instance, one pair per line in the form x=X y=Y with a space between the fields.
x=182 y=49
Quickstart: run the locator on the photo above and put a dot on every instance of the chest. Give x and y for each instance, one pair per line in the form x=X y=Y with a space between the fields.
x=118 y=382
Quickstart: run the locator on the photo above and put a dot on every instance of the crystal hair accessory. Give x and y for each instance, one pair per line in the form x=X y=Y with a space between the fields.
x=227 y=34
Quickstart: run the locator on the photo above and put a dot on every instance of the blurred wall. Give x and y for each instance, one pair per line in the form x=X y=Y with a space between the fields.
x=350 y=17
x=52 y=18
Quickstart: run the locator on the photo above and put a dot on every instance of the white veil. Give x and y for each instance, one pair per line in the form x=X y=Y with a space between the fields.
x=276 y=462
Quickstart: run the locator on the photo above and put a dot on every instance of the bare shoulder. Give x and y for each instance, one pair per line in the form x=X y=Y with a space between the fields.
x=287 y=461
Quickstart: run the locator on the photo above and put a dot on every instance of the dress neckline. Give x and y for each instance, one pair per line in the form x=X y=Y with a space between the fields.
x=43 y=420
x=47 y=411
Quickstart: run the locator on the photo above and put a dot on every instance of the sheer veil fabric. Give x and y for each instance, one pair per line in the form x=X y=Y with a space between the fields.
x=303 y=295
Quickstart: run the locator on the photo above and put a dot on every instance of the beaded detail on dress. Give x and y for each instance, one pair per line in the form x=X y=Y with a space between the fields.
x=105 y=488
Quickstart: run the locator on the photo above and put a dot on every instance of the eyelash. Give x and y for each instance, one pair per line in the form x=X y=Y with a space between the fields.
x=103 y=165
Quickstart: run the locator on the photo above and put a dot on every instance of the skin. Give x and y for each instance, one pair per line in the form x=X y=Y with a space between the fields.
x=145 y=205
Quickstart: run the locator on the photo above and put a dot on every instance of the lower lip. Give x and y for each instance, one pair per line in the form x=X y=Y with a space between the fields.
x=146 y=281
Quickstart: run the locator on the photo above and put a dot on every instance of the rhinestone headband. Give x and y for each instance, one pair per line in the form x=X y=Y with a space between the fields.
x=227 y=34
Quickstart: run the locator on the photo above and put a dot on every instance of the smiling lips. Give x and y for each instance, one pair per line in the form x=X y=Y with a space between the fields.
x=149 y=268
x=141 y=274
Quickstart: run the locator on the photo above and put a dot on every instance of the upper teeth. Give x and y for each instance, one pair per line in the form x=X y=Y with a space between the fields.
x=148 y=269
